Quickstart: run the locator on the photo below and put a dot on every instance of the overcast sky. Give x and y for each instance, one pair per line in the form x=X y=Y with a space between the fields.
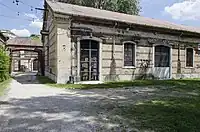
x=21 y=20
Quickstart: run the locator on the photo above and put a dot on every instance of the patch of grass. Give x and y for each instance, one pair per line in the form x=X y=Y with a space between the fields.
x=45 y=80
x=4 y=85
x=169 y=114
x=179 y=85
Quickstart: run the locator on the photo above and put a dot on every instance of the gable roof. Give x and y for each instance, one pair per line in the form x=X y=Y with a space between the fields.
x=24 y=41
x=83 y=11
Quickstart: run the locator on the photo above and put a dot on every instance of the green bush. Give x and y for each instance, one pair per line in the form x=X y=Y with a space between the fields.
x=4 y=65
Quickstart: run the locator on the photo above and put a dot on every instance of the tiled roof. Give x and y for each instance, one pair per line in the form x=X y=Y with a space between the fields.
x=24 y=41
x=76 y=10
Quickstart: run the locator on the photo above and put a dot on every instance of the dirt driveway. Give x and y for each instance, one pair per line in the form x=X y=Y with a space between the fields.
x=33 y=107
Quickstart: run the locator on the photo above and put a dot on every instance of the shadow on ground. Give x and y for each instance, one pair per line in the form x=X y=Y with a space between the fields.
x=26 y=78
x=139 y=109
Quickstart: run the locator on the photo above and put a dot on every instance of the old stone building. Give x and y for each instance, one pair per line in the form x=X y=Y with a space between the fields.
x=84 y=44
x=26 y=54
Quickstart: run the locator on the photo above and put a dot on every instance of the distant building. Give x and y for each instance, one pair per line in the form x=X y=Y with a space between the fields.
x=3 y=39
x=25 y=53
x=87 y=45
x=8 y=33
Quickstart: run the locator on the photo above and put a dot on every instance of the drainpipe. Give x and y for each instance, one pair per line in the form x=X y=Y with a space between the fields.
x=179 y=61
x=72 y=77
x=114 y=37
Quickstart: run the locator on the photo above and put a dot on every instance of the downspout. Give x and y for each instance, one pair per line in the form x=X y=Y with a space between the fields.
x=179 y=61
x=114 y=41
x=72 y=77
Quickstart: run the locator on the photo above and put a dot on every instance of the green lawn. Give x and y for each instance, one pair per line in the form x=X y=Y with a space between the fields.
x=168 y=114
x=182 y=85
x=173 y=107
x=3 y=86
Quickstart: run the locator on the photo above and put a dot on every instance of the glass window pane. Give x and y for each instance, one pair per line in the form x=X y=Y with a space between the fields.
x=94 y=56
x=94 y=45
x=84 y=55
x=162 y=56
x=94 y=67
x=189 y=57
x=84 y=76
x=129 y=54
x=89 y=60
x=84 y=44
x=84 y=67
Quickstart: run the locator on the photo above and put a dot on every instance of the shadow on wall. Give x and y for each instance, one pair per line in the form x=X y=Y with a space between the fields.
x=113 y=73
x=112 y=76
x=145 y=67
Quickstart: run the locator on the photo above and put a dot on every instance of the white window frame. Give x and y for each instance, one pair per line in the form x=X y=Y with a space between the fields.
x=186 y=57
x=100 y=55
x=131 y=67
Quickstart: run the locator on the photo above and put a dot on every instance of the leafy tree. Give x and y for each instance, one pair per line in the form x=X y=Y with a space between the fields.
x=123 y=6
x=4 y=64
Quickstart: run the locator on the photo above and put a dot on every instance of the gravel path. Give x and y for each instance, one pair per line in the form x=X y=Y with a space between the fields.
x=33 y=107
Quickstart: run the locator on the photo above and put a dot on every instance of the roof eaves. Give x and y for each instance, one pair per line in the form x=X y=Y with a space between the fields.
x=145 y=25
x=178 y=27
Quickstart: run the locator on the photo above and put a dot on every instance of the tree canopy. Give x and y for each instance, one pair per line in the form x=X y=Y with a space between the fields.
x=123 y=6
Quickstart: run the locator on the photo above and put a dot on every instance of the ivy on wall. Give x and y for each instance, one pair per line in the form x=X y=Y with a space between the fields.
x=4 y=64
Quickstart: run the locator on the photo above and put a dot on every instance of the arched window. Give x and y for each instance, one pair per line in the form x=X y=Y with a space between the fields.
x=129 y=54
x=189 y=57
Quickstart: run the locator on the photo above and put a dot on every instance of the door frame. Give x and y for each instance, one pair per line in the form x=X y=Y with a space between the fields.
x=170 y=64
x=79 y=53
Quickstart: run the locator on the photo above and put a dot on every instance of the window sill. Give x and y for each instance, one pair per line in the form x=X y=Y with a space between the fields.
x=129 y=67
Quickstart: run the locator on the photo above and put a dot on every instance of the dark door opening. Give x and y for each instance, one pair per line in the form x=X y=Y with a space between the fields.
x=89 y=60
x=35 y=65
x=162 y=62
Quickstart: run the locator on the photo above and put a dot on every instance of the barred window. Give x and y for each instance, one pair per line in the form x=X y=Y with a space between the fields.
x=162 y=56
x=129 y=54
x=189 y=57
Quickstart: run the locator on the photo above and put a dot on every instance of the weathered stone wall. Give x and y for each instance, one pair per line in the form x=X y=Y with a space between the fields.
x=64 y=53
x=186 y=72
x=51 y=43
x=113 y=69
